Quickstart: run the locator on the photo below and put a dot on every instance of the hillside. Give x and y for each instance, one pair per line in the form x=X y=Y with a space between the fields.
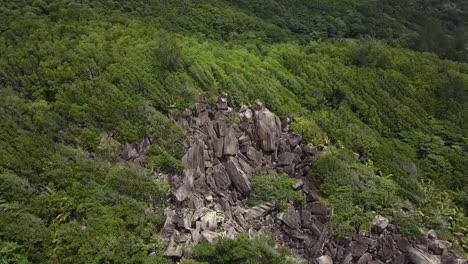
x=80 y=79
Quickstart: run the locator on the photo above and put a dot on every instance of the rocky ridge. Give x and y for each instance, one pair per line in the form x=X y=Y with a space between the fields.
x=225 y=150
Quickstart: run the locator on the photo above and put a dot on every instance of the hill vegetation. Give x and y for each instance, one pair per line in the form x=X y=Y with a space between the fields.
x=79 y=78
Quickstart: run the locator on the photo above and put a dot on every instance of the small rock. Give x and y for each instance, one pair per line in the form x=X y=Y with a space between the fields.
x=298 y=185
x=325 y=260
x=431 y=234
x=380 y=223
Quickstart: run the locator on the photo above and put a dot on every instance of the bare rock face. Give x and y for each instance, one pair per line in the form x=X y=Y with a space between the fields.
x=237 y=176
x=418 y=256
x=209 y=197
x=230 y=143
x=268 y=128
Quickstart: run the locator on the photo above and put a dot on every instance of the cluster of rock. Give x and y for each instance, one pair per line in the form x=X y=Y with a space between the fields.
x=133 y=152
x=225 y=150
x=385 y=244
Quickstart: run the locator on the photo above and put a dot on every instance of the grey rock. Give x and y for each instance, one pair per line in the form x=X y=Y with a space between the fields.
x=290 y=217
x=358 y=249
x=294 y=139
x=431 y=234
x=259 y=210
x=238 y=178
x=173 y=250
x=402 y=259
x=267 y=127
x=128 y=152
x=439 y=246
x=325 y=260
x=380 y=223
x=210 y=236
x=286 y=158
x=208 y=221
x=222 y=102
x=221 y=177
x=364 y=259
x=317 y=208
x=420 y=257
x=254 y=156
x=230 y=143
x=298 y=184
x=403 y=244
x=347 y=259
x=386 y=248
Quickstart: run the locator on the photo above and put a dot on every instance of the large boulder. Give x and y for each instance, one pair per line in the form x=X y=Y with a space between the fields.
x=230 y=143
x=267 y=128
x=237 y=176
x=221 y=177
x=418 y=256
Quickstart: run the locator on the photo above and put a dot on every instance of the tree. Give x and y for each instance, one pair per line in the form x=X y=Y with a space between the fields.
x=167 y=52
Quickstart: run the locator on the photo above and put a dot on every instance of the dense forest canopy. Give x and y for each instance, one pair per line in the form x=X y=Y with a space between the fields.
x=387 y=80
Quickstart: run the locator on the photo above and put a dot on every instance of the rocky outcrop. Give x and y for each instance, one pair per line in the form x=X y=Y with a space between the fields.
x=133 y=152
x=208 y=198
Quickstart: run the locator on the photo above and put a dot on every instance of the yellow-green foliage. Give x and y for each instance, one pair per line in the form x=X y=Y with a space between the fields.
x=275 y=188
x=78 y=79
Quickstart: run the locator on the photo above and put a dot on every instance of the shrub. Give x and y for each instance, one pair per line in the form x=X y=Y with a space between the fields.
x=262 y=249
x=274 y=187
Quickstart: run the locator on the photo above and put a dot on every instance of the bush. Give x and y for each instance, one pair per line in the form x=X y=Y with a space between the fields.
x=262 y=249
x=273 y=188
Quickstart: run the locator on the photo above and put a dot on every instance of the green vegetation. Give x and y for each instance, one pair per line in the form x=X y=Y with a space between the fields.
x=262 y=249
x=78 y=79
x=273 y=188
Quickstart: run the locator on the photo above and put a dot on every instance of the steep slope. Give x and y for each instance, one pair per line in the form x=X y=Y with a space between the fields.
x=209 y=199
x=80 y=78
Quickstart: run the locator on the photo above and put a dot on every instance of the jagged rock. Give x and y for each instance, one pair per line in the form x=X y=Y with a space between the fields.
x=358 y=249
x=254 y=156
x=290 y=217
x=128 y=152
x=387 y=248
x=173 y=250
x=439 y=246
x=259 y=210
x=380 y=223
x=208 y=221
x=418 y=256
x=230 y=143
x=298 y=185
x=268 y=128
x=364 y=259
x=403 y=244
x=325 y=260
x=210 y=236
x=348 y=259
x=211 y=193
x=286 y=158
x=238 y=178
x=402 y=259
x=431 y=234
x=221 y=177
x=222 y=102
x=317 y=208
x=294 y=139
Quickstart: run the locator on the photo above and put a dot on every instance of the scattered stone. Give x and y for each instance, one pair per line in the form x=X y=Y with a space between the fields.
x=380 y=223
x=325 y=260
